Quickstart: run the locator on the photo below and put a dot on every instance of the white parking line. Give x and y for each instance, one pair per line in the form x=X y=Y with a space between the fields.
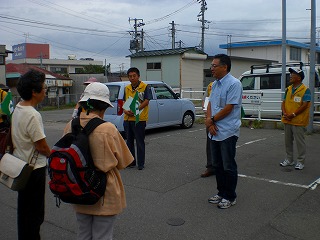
x=169 y=135
x=258 y=140
x=311 y=186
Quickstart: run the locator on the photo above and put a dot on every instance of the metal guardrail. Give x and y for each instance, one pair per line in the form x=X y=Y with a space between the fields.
x=196 y=95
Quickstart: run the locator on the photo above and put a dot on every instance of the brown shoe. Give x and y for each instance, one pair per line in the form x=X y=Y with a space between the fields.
x=207 y=173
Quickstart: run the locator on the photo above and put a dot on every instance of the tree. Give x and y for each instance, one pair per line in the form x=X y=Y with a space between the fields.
x=92 y=69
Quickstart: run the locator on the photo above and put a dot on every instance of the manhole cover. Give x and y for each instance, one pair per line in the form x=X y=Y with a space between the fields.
x=175 y=221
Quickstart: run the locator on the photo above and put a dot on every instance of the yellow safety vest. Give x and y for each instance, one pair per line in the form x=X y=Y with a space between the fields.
x=209 y=88
x=3 y=94
x=129 y=92
x=292 y=103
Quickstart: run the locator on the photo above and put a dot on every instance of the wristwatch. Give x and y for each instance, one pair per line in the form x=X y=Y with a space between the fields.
x=294 y=114
x=212 y=119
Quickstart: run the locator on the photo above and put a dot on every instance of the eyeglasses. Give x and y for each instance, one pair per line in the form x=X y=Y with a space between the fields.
x=216 y=65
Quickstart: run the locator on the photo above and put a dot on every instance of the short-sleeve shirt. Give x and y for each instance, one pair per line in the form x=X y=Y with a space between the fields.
x=25 y=133
x=227 y=90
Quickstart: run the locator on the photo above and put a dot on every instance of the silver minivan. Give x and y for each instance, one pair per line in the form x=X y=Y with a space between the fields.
x=166 y=108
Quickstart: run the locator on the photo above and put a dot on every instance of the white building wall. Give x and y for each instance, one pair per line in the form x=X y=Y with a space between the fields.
x=141 y=64
x=171 y=70
x=273 y=53
x=192 y=73
x=269 y=53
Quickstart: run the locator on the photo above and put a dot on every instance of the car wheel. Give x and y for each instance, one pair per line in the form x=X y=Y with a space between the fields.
x=187 y=120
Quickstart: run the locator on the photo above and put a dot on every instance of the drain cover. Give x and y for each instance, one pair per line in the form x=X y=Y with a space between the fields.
x=175 y=221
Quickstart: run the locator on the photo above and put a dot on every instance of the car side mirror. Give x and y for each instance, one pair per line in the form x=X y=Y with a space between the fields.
x=177 y=95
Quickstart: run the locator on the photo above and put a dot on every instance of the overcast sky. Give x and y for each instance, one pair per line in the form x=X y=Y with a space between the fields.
x=100 y=29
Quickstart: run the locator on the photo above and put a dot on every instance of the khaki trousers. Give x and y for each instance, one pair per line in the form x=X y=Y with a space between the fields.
x=91 y=227
x=296 y=133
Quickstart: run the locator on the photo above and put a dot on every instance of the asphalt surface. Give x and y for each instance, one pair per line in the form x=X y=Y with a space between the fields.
x=168 y=199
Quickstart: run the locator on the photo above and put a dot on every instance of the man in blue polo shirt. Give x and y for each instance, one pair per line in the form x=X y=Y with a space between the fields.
x=223 y=123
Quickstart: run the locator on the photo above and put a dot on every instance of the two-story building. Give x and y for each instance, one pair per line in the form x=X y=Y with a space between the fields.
x=39 y=55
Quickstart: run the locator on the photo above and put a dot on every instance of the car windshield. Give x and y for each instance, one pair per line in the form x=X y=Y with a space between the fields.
x=163 y=92
x=114 y=92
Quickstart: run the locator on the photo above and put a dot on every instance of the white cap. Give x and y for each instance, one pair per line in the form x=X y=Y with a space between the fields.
x=97 y=91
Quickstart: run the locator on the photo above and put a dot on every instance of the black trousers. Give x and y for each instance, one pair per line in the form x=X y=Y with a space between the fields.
x=31 y=206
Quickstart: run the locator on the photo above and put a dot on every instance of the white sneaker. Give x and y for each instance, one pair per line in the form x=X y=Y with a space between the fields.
x=299 y=166
x=215 y=199
x=224 y=204
x=286 y=162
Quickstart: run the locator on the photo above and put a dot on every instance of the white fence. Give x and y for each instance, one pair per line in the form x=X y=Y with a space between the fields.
x=263 y=106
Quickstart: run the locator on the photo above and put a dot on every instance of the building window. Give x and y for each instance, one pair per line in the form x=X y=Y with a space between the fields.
x=155 y=65
x=1 y=60
x=78 y=70
x=58 y=69
x=295 y=54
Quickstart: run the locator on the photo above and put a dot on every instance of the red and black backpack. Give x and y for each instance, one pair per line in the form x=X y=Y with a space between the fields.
x=73 y=176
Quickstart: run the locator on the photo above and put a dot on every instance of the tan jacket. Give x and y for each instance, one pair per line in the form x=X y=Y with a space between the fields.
x=110 y=154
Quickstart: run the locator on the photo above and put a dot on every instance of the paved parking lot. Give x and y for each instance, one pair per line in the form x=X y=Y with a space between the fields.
x=168 y=199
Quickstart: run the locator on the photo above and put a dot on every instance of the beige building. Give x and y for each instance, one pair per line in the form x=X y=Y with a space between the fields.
x=61 y=66
x=271 y=50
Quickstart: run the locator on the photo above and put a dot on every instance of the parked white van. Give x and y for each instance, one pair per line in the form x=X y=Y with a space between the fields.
x=262 y=94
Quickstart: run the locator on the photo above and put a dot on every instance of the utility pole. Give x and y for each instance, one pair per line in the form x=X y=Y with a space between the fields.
x=284 y=46
x=121 y=66
x=142 y=38
x=41 y=57
x=26 y=36
x=173 y=34
x=136 y=43
x=203 y=21
x=179 y=43
x=105 y=67
x=229 y=44
x=312 y=63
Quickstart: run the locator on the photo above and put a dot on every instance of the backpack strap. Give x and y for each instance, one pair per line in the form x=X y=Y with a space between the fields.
x=75 y=126
x=92 y=124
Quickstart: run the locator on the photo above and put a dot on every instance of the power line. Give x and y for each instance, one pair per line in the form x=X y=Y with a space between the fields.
x=77 y=14
x=29 y=21
x=171 y=14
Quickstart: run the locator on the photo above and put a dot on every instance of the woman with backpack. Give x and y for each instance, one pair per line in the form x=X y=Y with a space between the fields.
x=110 y=154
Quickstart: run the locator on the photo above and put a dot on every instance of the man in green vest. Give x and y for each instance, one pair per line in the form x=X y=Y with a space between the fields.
x=295 y=109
